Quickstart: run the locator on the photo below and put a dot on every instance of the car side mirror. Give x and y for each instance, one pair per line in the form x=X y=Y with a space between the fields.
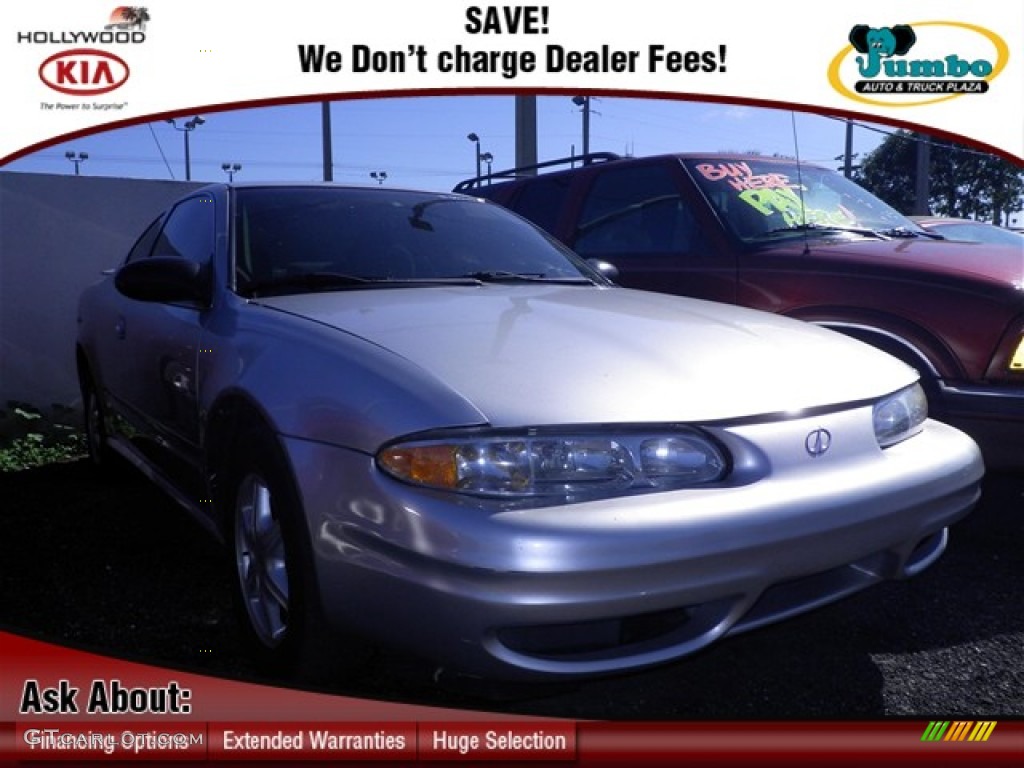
x=606 y=268
x=164 y=279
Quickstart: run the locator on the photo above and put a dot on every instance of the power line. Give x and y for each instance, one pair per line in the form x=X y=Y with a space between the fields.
x=161 y=150
x=907 y=135
x=351 y=168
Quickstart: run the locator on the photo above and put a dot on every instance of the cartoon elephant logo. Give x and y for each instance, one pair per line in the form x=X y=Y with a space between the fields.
x=880 y=43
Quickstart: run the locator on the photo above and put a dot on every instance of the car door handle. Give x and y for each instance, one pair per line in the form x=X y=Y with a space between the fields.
x=120 y=328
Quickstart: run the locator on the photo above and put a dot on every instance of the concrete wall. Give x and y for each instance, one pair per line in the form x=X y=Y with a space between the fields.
x=57 y=234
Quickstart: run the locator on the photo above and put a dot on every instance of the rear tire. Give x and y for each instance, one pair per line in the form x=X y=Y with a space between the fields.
x=104 y=459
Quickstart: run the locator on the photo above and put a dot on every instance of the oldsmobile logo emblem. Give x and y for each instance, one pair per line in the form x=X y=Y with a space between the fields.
x=818 y=442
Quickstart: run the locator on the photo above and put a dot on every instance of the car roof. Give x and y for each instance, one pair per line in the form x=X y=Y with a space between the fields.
x=221 y=185
x=222 y=188
x=578 y=163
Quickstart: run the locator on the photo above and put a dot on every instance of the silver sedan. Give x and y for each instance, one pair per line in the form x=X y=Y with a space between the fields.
x=414 y=419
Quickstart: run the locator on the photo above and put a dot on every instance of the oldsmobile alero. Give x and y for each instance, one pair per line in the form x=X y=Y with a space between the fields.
x=414 y=418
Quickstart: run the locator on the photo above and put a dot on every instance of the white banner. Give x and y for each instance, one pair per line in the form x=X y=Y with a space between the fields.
x=74 y=65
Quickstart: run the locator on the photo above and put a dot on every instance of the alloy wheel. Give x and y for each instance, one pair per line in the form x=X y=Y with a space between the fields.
x=261 y=561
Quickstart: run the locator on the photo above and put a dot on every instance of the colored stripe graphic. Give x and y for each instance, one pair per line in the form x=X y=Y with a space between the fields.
x=982 y=730
x=959 y=730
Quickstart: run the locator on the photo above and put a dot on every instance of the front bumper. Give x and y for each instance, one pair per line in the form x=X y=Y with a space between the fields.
x=993 y=416
x=598 y=587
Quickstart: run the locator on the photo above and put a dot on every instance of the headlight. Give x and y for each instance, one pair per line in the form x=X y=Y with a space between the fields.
x=537 y=464
x=899 y=416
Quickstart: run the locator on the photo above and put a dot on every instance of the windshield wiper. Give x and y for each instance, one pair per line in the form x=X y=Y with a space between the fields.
x=825 y=228
x=908 y=233
x=499 y=276
x=303 y=281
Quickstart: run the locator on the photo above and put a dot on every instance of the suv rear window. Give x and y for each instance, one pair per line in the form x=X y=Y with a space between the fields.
x=541 y=201
x=635 y=210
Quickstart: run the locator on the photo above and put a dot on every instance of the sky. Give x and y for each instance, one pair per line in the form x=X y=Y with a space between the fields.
x=421 y=142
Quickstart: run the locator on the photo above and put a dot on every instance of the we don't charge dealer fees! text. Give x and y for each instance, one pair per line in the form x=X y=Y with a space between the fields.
x=505 y=23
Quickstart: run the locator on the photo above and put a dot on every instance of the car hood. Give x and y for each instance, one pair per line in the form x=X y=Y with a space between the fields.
x=978 y=262
x=545 y=354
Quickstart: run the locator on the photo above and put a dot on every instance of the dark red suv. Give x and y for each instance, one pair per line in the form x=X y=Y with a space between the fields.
x=803 y=241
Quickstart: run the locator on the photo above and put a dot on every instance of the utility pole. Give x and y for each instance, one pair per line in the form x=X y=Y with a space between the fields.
x=325 y=116
x=848 y=162
x=922 y=185
x=526 y=132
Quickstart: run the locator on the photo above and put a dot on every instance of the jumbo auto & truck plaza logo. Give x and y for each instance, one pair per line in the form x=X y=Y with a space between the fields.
x=89 y=71
x=918 y=63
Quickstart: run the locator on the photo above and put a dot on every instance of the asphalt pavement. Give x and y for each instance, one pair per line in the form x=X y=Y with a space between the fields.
x=122 y=570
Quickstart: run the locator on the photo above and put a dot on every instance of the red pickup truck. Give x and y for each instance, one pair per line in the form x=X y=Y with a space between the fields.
x=803 y=241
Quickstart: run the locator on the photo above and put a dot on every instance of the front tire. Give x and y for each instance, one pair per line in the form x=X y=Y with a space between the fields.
x=275 y=586
x=261 y=562
x=266 y=552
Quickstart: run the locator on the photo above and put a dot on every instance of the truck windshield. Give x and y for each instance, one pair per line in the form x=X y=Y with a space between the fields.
x=765 y=199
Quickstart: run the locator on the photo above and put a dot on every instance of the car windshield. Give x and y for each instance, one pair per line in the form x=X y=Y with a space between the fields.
x=762 y=200
x=291 y=240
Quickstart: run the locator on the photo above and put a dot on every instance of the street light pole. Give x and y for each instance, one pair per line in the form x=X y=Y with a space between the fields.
x=77 y=159
x=476 y=140
x=488 y=158
x=378 y=176
x=584 y=103
x=188 y=159
x=189 y=126
x=231 y=169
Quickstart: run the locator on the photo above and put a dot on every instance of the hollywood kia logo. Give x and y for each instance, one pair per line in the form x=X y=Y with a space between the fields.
x=905 y=65
x=84 y=72
x=90 y=71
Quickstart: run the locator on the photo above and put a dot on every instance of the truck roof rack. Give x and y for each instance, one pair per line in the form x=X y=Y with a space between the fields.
x=523 y=170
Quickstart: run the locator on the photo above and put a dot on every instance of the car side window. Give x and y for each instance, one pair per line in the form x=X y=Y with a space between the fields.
x=190 y=231
x=635 y=210
x=144 y=245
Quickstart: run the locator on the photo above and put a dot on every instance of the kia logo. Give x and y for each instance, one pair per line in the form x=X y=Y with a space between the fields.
x=84 y=72
x=818 y=442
